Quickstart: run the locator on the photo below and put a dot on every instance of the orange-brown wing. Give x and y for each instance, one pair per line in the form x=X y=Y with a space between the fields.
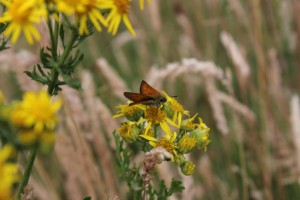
x=147 y=90
x=136 y=97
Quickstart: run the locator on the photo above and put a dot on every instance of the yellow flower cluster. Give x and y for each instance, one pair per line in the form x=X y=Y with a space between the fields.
x=35 y=120
x=156 y=124
x=9 y=173
x=23 y=16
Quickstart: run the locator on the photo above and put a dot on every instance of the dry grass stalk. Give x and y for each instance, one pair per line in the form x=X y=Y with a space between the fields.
x=239 y=132
x=40 y=192
x=45 y=178
x=187 y=66
x=154 y=16
x=107 y=122
x=239 y=11
x=98 y=139
x=237 y=106
x=116 y=84
x=295 y=119
x=188 y=42
x=225 y=192
x=274 y=76
x=84 y=161
x=283 y=162
x=295 y=6
x=205 y=169
x=18 y=63
x=69 y=162
x=89 y=175
x=72 y=99
x=216 y=105
x=117 y=44
x=241 y=66
x=287 y=20
x=28 y=193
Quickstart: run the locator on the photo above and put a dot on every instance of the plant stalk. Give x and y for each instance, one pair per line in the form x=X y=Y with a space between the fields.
x=27 y=173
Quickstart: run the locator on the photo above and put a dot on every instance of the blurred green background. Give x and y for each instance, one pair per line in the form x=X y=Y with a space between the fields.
x=235 y=62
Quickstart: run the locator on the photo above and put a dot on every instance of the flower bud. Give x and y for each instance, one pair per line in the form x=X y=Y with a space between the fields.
x=187 y=168
x=179 y=159
x=129 y=131
x=201 y=134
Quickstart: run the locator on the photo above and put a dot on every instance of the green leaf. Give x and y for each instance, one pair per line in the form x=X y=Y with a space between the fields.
x=62 y=35
x=87 y=198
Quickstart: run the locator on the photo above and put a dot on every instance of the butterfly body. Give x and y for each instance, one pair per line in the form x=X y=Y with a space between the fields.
x=147 y=96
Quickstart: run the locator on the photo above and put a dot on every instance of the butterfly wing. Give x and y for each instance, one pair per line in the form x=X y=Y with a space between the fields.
x=137 y=98
x=149 y=91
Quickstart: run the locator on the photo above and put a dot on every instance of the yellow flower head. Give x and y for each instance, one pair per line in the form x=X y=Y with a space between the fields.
x=132 y=113
x=174 y=109
x=119 y=10
x=9 y=173
x=188 y=124
x=154 y=116
x=167 y=142
x=44 y=139
x=150 y=132
x=36 y=112
x=186 y=144
x=21 y=16
x=142 y=4
x=201 y=134
x=83 y=10
x=129 y=131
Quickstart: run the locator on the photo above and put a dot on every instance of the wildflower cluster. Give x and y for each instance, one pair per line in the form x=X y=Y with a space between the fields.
x=24 y=16
x=167 y=126
x=35 y=120
x=30 y=122
x=26 y=124
x=9 y=173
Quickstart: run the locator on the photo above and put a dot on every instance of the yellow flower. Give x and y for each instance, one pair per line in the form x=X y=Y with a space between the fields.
x=154 y=116
x=186 y=144
x=201 y=134
x=129 y=131
x=150 y=132
x=9 y=173
x=45 y=139
x=188 y=124
x=83 y=10
x=36 y=112
x=21 y=16
x=118 y=11
x=132 y=113
x=167 y=142
x=142 y=4
x=174 y=109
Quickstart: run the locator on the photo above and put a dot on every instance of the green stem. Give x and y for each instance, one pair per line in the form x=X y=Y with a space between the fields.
x=27 y=173
x=51 y=36
x=54 y=71
x=54 y=77
x=55 y=42
x=67 y=49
